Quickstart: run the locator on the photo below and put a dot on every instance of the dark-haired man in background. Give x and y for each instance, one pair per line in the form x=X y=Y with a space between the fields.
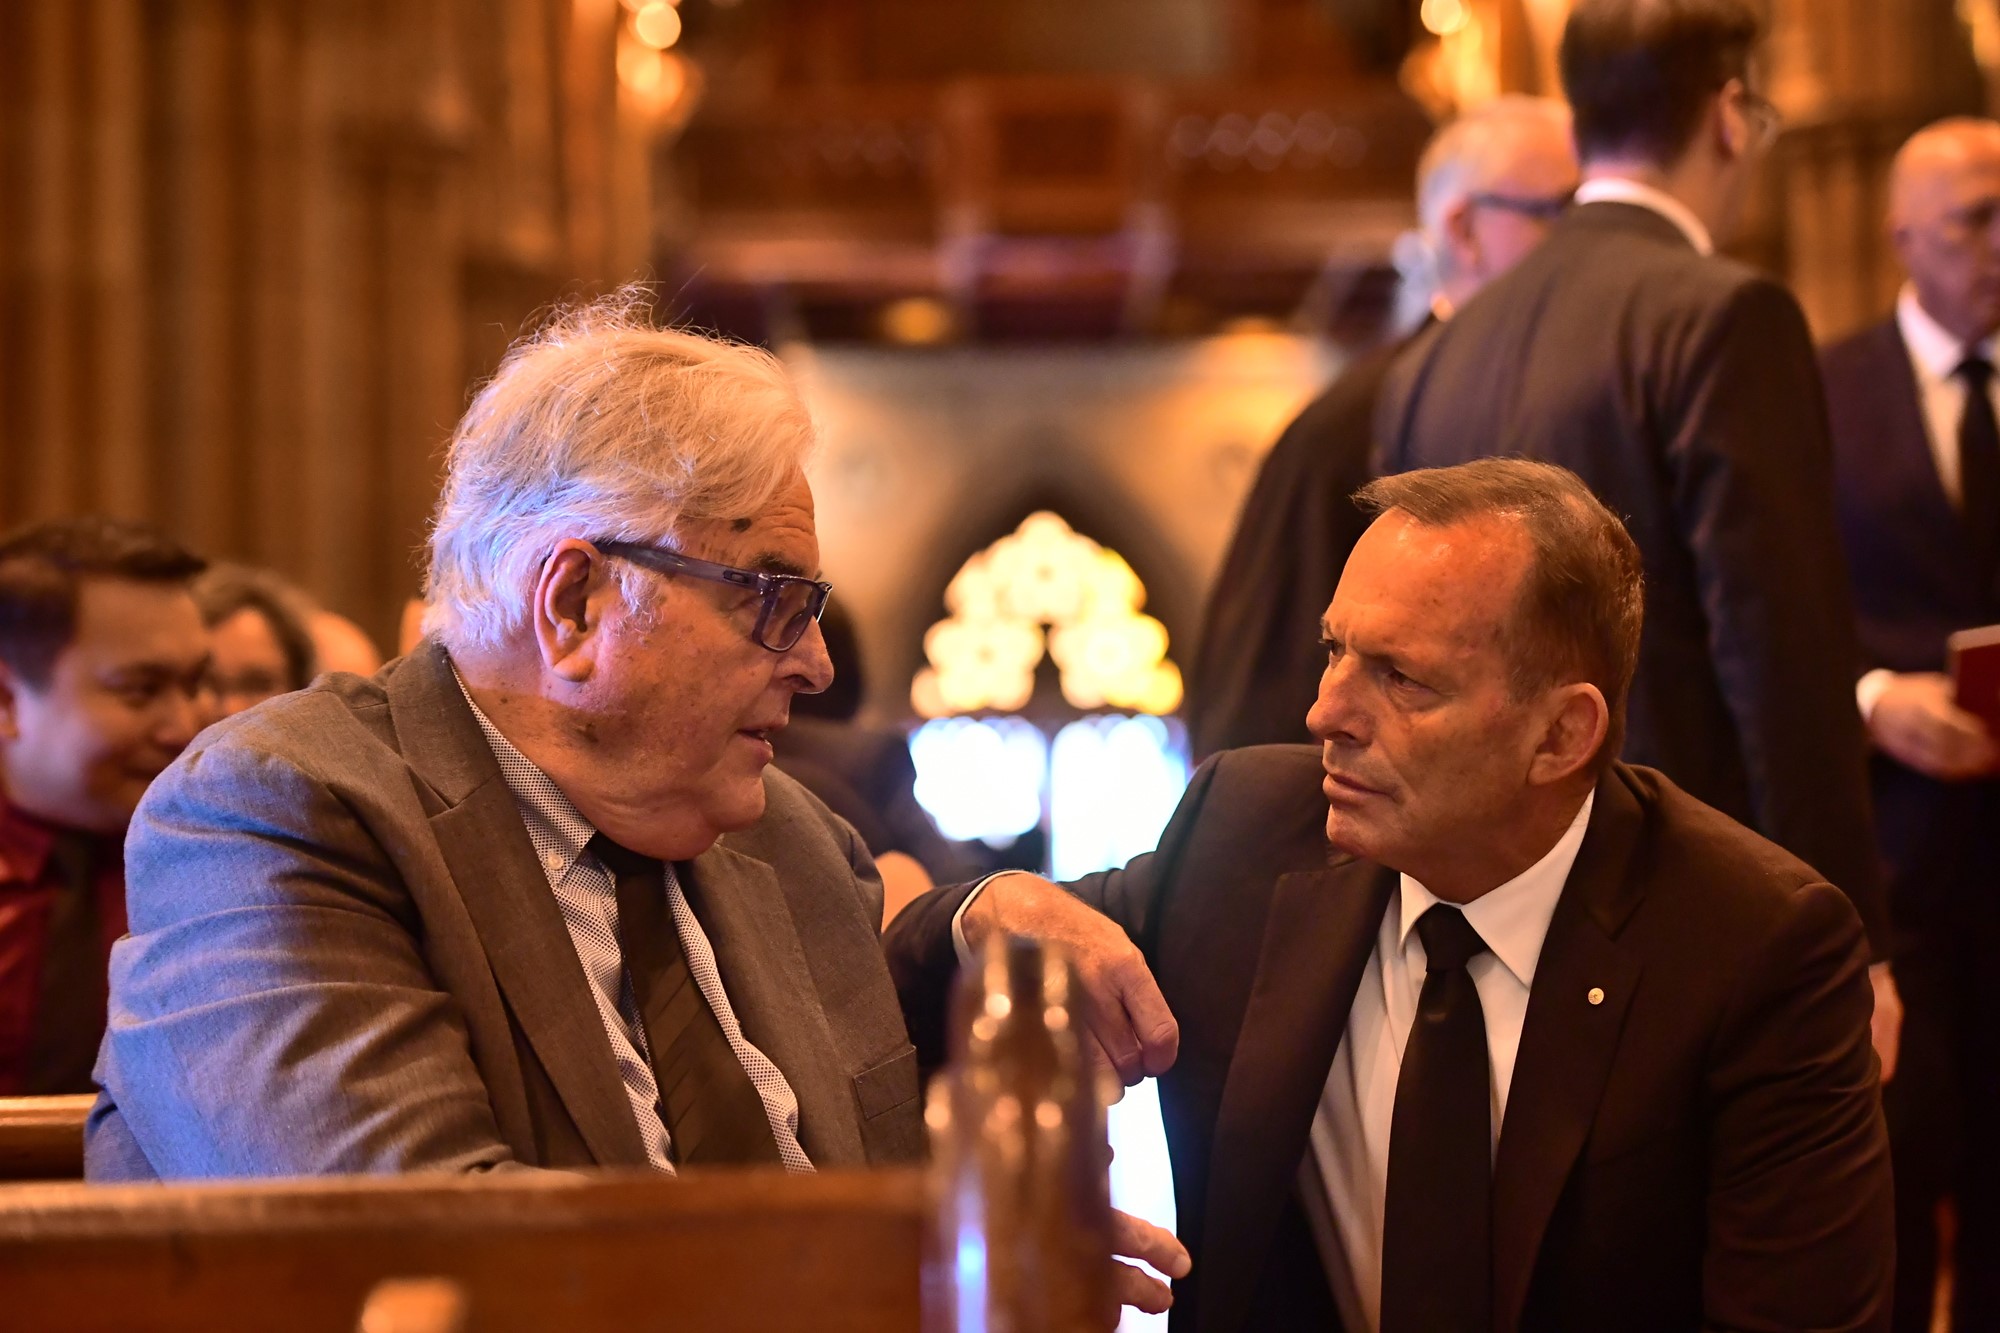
x=103 y=661
x=1684 y=389
x=1917 y=466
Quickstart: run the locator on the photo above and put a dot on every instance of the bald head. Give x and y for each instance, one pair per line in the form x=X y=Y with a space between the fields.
x=1488 y=186
x=1944 y=216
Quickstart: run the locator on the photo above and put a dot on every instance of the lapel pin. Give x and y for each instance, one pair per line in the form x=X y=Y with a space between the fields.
x=1596 y=995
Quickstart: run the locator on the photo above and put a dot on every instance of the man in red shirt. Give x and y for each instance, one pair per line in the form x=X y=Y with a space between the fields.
x=103 y=660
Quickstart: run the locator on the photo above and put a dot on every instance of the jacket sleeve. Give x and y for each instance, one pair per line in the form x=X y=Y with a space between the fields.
x=924 y=961
x=1752 y=483
x=271 y=1011
x=1801 y=1229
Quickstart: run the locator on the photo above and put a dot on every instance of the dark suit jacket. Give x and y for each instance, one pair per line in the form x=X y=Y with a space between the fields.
x=344 y=958
x=1703 y=1149
x=1683 y=389
x=1257 y=665
x=1914 y=584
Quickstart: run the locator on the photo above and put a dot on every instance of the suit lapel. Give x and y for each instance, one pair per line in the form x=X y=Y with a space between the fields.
x=1907 y=456
x=763 y=965
x=1318 y=934
x=1567 y=1043
x=492 y=863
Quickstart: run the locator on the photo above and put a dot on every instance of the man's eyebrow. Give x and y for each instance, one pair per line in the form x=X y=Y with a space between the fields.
x=770 y=562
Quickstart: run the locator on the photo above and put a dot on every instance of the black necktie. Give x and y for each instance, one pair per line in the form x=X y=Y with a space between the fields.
x=711 y=1108
x=1979 y=465
x=1437 y=1231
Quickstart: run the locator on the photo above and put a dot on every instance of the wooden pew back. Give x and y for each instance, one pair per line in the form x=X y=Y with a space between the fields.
x=41 y=1138
x=735 y=1252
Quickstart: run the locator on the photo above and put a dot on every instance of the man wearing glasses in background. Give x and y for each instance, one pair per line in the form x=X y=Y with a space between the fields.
x=1684 y=389
x=529 y=897
x=1489 y=186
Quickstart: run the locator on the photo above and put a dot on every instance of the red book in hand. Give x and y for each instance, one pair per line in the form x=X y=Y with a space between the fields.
x=1974 y=655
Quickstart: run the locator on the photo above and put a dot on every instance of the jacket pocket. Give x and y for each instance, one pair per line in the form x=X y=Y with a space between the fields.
x=892 y=1119
x=887 y=1085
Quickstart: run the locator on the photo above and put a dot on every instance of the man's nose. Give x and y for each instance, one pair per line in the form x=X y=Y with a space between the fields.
x=809 y=661
x=1336 y=714
x=182 y=714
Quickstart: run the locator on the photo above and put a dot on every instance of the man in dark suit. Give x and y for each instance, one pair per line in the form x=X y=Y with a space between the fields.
x=1917 y=472
x=1488 y=186
x=1683 y=388
x=1545 y=1044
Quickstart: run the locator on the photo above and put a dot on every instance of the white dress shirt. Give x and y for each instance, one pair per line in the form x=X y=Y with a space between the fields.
x=1350 y=1131
x=586 y=895
x=1618 y=190
x=1935 y=353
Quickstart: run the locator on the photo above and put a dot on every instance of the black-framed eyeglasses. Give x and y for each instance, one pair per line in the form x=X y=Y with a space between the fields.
x=789 y=603
x=1542 y=208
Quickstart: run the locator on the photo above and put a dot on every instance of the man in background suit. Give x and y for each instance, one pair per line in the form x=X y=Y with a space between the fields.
x=528 y=897
x=1684 y=389
x=1917 y=472
x=1640 y=1095
x=1488 y=186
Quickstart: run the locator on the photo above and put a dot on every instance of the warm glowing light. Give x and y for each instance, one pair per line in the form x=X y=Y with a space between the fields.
x=1045 y=575
x=1444 y=17
x=658 y=25
x=917 y=321
x=640 y=68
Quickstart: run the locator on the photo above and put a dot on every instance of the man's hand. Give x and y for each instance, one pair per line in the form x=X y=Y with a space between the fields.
x=1126 y=1020
x=1136 y=1238
x=1917 y=722
x=1885 y=1027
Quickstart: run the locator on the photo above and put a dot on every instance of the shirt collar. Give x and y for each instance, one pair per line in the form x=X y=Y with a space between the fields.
x=1619 y=190
x=1514 y=918
x=555 y=827
x=1934 y=349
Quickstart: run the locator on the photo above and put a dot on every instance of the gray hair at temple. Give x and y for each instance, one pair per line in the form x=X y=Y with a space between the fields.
x=1471 y=153
x=604 y=427
x=1583 y=602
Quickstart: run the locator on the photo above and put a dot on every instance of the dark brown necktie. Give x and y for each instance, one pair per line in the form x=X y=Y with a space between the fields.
x=1437 y=1225
x=713 y=1114
x=1979 y=465
x=69 y=1011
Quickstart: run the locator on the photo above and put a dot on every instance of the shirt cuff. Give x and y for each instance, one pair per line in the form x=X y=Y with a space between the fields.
x=958 y=918
x=1869 y=689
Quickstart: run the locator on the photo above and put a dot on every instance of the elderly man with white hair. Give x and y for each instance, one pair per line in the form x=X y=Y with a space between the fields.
x=1489 y=185
x=531 y=896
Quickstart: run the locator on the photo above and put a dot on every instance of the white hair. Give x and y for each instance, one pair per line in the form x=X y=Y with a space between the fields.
x=601 y=426
x=1470 y=154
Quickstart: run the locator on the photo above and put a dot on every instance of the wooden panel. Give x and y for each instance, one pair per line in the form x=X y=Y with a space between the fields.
x=737 y=1252
x=41 y=1138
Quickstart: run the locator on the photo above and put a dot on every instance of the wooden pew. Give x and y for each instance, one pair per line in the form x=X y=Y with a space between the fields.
x=41 y=1138
x=733 y=1252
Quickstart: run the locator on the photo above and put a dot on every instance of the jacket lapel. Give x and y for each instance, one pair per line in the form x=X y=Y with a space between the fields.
x=770 y=985
x=492 y=863
x=1567 y=1043
x=1318 y=934
x=1907 y=458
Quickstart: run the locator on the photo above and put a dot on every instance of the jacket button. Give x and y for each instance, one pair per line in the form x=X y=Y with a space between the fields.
x=1596 y=995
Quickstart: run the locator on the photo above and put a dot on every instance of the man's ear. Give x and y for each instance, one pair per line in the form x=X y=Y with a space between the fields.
x=10 y=703
x=1459 y=238
x=1578 y=722
x=573 y=595
x=1727 y=123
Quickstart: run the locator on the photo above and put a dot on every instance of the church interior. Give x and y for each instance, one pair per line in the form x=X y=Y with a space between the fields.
x=1050 y=276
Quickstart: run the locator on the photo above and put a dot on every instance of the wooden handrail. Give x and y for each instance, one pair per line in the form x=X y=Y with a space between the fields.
x=41 y=1138
x=731 y=1252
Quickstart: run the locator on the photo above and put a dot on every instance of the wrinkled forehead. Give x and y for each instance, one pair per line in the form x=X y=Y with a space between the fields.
x=1456 y=583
